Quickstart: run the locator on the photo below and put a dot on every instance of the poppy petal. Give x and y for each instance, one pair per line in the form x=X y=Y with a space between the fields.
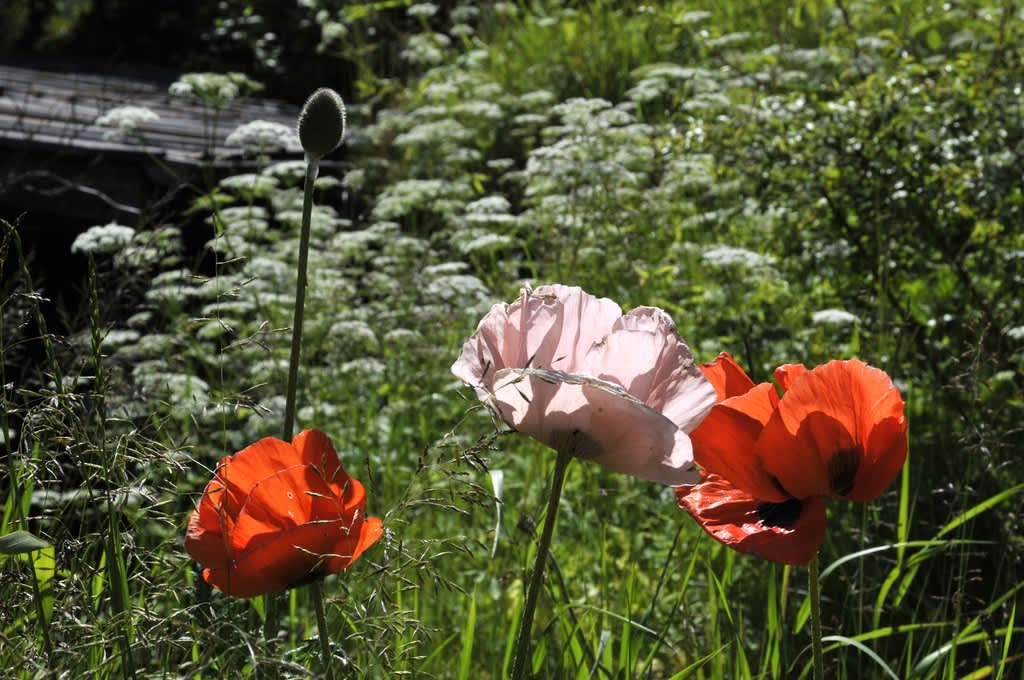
x=818 y=441
x=347 y=550
x=724 y=444
x=645 y=355
x=595 y=420
x=205 y=538
x=786 y=375
x=885 y=454
x=550 y=328
x=276 y=514
x=728 y=379
x=801 y=461
x=240 y=472
x=315 y=448
x=787 y=533
x=340 y=493
x=276 y=561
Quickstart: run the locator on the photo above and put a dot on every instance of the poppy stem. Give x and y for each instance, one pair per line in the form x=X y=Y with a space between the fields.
x=312 y=167
x=273 y=600
x=537 y=579
x=815 y=595
x=317 y=591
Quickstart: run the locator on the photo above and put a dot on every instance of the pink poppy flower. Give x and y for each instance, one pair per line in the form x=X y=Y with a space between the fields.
x=570 y=370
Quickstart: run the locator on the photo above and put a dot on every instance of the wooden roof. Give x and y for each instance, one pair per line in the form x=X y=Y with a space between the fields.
x=45 y=109
x=55 y=161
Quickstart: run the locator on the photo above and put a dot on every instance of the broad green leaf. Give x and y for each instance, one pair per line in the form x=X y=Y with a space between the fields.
x=20 y=541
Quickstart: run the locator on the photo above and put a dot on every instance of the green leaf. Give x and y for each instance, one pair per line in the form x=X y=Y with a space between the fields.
x=18 y=542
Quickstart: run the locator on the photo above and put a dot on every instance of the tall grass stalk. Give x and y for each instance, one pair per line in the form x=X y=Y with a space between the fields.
x=120 y=595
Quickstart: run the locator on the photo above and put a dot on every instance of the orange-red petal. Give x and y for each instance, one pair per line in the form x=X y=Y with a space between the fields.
x=787 y=533
x=728 y=379
x=820 y=439
x=348 y=550
x=787 y=374
x=276 y=514
x=724 y=443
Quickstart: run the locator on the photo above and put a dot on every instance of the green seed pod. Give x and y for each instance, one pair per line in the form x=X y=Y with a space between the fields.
x=322 y=122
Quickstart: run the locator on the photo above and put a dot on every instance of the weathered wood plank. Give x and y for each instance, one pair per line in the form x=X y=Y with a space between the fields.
x=59 y=109
x=54 y=159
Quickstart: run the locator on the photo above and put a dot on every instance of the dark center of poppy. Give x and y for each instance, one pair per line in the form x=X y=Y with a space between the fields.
x=842 y=471
x=782 y=515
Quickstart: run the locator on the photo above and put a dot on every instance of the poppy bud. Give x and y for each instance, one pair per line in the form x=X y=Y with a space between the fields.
x=322 y=122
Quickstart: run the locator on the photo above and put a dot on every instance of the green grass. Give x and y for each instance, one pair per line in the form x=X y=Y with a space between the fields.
x=809 y=165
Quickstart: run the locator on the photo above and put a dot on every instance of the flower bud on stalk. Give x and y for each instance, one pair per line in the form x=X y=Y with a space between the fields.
x=322 y=122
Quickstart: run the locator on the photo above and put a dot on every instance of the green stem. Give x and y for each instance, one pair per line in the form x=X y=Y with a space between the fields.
x=317 y=592
x=537 y=579
x=273 y=601
x=312 y=166
x=815 y=595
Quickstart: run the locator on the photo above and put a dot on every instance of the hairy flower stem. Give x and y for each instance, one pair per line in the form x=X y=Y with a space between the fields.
x=537 y=579
x=317 y=591
x=273 y=601
x=312 y=166
x=815 y=595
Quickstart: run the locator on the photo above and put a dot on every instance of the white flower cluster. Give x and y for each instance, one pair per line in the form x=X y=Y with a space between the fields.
x=833 y=317
x=125 y=119
x=216 y=89
x=249 y=184
x=408 y=195
x=422 y=10
x=731 y=256
x=103 y=239
x=426 y=49
x=263 y=136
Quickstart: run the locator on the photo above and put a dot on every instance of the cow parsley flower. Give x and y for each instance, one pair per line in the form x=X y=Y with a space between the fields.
x=125 y=120
x=263 y=136
x=833 y=317
x=103 y=239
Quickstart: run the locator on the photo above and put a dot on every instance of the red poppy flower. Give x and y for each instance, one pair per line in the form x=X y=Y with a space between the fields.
x=839 y=430
x=788 y=532
x=277 y=515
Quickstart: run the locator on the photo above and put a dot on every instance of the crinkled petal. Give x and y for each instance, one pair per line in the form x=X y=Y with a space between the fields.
x=884 y=457
x=206 y=538
x=787 y=375
x=276 y=561
x=788 y=533
x=725 y=442
x=243 y=470
x=551 y=327
x=595 y=420
x=820 y=439
x=726 y=376
x=348 y=549
x=645 y=355
x=800 y=461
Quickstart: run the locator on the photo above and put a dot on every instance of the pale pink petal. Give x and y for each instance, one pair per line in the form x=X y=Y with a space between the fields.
x=582 y=320
x=645 y=355
x=595 y=420
x=482 y=354
x=550 y=327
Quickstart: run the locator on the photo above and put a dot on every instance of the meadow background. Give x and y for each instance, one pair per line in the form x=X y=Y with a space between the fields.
x=791 y=181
